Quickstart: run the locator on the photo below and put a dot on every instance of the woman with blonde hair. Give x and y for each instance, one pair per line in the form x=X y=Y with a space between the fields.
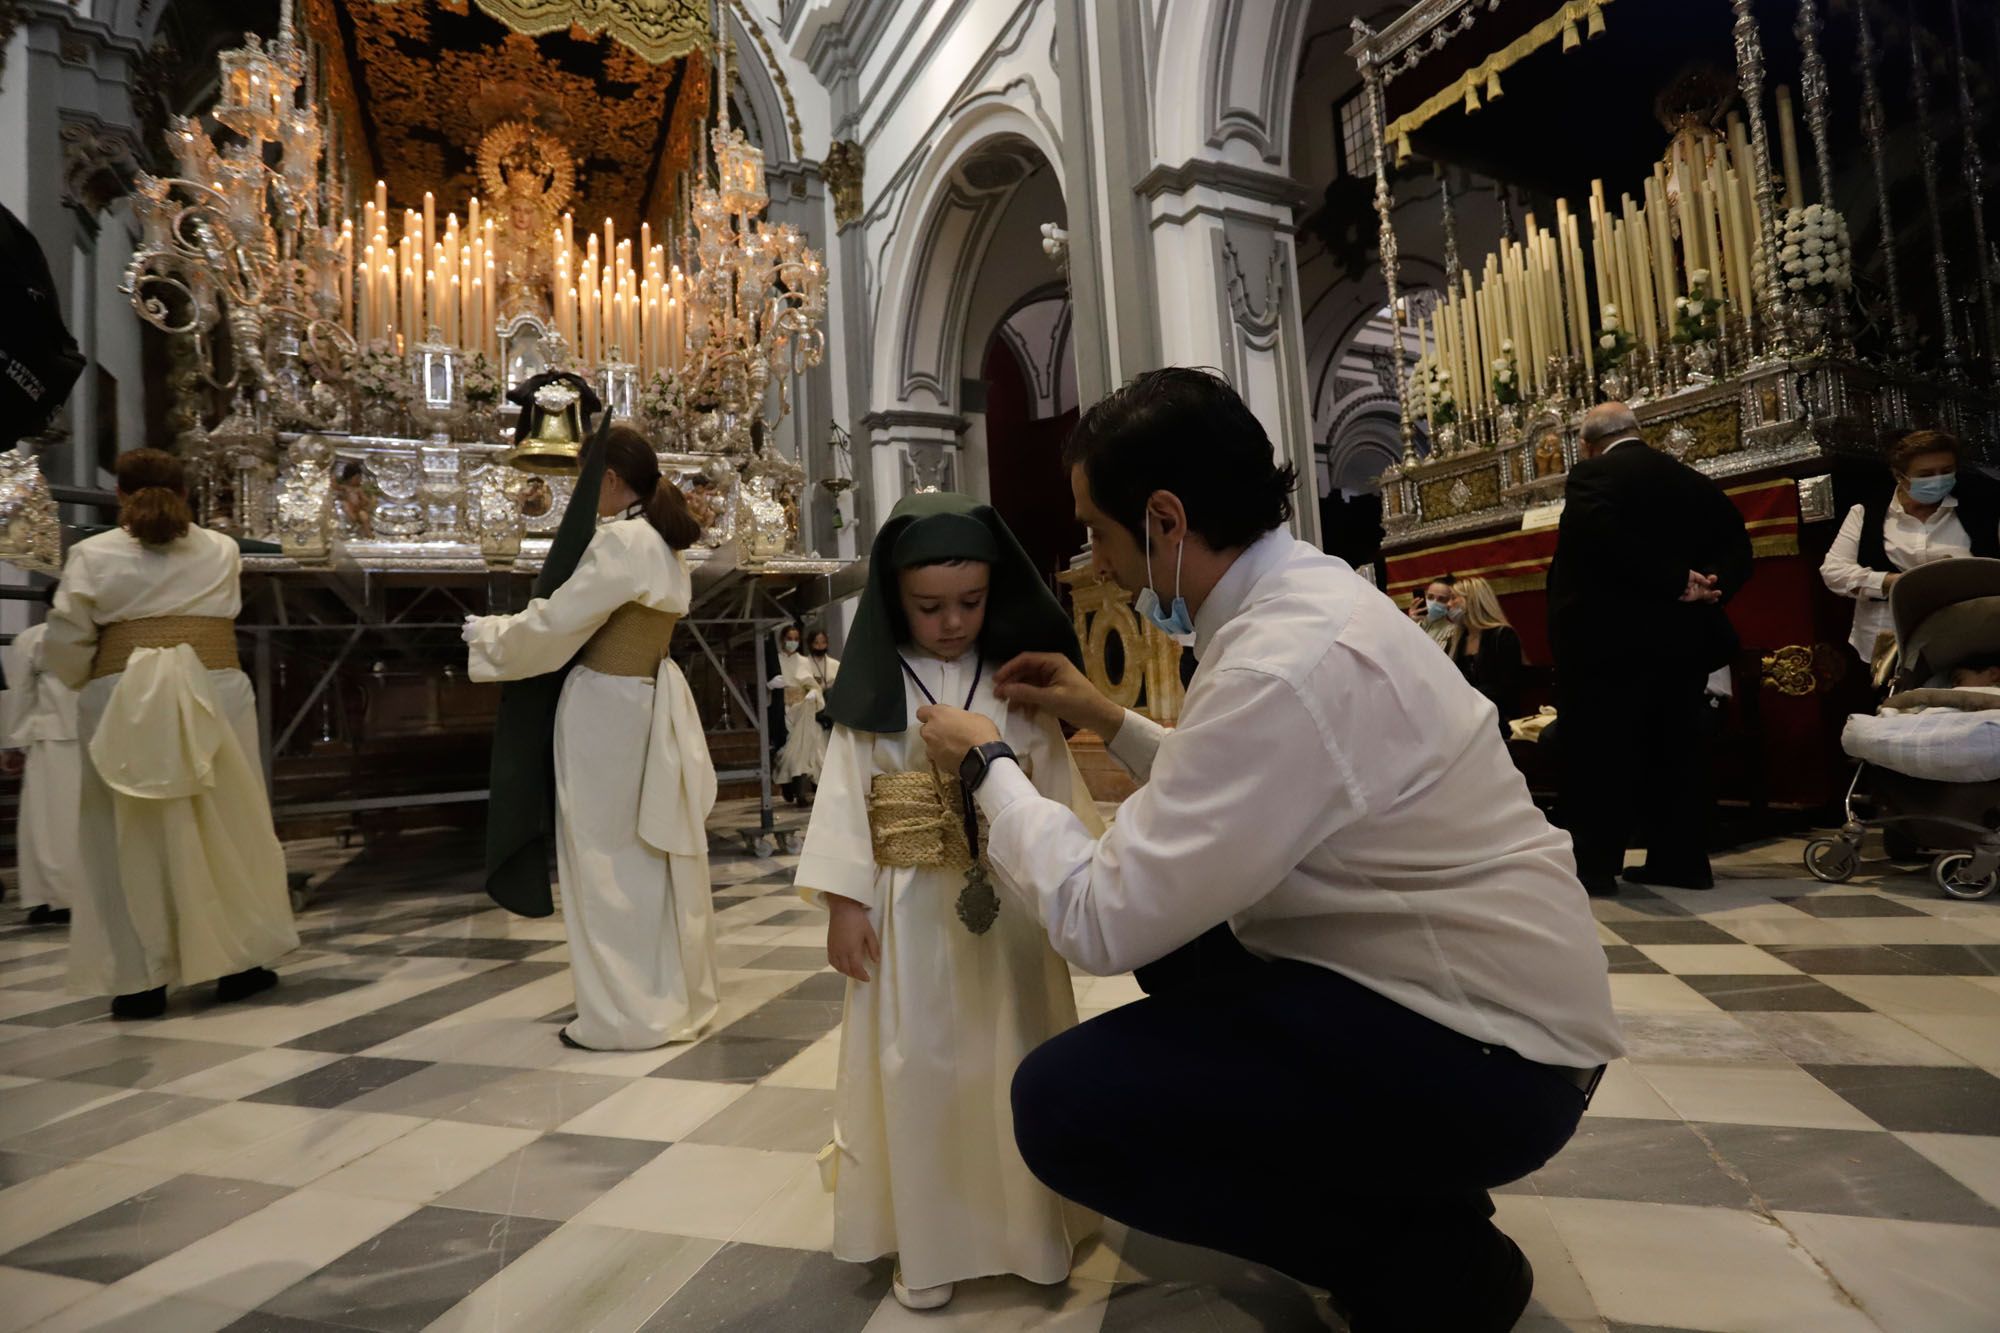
x=1485 y=646
x=183 y=877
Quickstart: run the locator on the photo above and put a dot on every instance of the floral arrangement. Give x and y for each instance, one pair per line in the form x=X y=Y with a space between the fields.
x=1506 y=375
x=1815 y=254
x=1614 y=344
x=1697 y=315
x=482 y=386
x=381 y=378
x=1439 y=399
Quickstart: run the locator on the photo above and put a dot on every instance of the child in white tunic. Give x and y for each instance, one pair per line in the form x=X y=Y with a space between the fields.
x=38 y=718
x=944 y=998
x=634 y=783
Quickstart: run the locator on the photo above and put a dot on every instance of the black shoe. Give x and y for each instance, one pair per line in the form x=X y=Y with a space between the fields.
x=1601 y=886
x=562 y=1035
x=143 y=1004
x=242 y=985
x=48 y=916
x=1660 y=879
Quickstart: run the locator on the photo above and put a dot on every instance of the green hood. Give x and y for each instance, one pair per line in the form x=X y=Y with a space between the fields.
x=1022 y=615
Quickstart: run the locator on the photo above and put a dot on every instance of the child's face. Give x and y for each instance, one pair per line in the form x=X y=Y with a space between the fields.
x=945 y=606
x=1966 y=678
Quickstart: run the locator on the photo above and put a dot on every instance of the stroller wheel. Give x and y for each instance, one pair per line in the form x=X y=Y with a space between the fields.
x=1831 y=860
x=1947 y=876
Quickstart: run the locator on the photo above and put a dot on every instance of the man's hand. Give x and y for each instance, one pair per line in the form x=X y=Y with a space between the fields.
x=12 y=762
x=851 y=941
x=950 y=734
x=1701 y=588
x=1051 y=682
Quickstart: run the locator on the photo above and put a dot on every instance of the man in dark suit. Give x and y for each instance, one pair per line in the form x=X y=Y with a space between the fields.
x=1648 y=552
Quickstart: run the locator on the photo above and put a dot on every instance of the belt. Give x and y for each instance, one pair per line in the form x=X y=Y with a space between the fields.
x=213 y=639
x=1584 y=1081
x=632 y=642
x=916 y=821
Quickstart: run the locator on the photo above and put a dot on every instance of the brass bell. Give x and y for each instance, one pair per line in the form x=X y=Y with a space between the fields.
x=553 y=442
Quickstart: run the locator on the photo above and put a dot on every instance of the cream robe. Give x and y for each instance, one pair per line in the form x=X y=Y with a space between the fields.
x=923 y=1158
x=183 y=876
x=634 y=785
x=806 y=684
x=38 y=717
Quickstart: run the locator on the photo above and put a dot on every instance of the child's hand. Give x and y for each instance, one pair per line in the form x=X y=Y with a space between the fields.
x=851 y=942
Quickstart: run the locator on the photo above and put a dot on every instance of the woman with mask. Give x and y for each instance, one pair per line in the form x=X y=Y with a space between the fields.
x=633 y=779
x=1437 y=620
x=807 y=678
x=1928 y=517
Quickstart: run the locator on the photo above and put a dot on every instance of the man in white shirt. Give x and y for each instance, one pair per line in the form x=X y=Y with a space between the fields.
x=1375 y=988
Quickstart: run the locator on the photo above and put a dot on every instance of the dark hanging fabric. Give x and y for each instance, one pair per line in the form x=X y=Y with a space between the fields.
x=521 y=783
x=1022 y=615
x=39 y=361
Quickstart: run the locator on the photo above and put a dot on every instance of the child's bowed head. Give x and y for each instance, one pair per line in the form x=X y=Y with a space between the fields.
x=944 y=574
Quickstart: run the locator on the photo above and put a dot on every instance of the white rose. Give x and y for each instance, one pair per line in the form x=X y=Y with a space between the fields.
x=1813 y=211
x=1814 y=264
x=1607 y=342
x=1814 y=245
x=1444 y=374
x=1611 y=322
x=1507 y=344
x=1681 y=304
x=1610 y=313
x=1795 y=266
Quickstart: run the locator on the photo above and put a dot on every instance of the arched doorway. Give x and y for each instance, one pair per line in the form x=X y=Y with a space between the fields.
x=1029 y=376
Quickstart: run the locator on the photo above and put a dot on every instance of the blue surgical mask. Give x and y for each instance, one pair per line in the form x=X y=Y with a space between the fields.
x=1435 y=610
x=1176 y=624
x=1932 y=490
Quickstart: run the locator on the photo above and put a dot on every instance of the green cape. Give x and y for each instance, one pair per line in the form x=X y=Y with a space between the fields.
x=1022 y=615
x=521 y=784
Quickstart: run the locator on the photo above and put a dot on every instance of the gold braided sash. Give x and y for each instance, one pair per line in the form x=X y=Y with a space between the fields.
x=633 y=642
x=917 y=822
x=213 y=639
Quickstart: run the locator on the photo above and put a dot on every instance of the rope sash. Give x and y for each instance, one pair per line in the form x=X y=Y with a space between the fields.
x=213 y=639
x=633 y=642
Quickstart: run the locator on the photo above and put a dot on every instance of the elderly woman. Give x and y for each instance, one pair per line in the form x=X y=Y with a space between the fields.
x=634 y=783
x=1927 y=517
x=183 y=877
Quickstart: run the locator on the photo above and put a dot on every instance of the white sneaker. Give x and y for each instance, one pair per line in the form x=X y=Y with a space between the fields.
x=921 y=1298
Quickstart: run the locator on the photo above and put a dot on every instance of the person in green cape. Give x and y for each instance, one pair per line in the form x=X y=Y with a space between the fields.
x=598 y=743
x=947 y=992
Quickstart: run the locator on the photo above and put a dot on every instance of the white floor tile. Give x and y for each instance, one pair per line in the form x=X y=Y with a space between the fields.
x=122 y=1309
x=1651 y=993
x=253 y=1259
x=1910 y=1275
x=1625 y=1094
x=696 y=1189
x=817 y=1066
x=429 y=1161
x=202 y=1140
x=1896 y=996
x=249 y=1074
x=798 y=1217
x=1699 y=1268
x=1559 y=1287
x=53 y=1200
x=300 y=1156
x=1003 y=1305
x=664 y=1109
x=1972 y=1159
x=582 y=1279
x=1752 y=1095
x=27 y=1297
x=1736 y=960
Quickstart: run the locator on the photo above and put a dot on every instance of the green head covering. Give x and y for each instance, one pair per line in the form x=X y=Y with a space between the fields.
x=1022 y=615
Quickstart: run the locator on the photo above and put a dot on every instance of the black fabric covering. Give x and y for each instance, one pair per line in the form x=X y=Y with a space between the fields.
x=39 y=361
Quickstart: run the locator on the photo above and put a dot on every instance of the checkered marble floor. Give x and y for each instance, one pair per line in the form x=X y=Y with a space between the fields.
x=1806 y=1136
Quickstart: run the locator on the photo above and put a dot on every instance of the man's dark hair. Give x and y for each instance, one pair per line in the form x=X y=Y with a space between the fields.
x=1187 y=431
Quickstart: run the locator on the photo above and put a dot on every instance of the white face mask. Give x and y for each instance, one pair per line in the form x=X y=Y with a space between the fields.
x=788 y=646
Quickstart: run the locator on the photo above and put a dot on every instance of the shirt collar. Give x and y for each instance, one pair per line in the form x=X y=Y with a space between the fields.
x=1623 y=439
x=1232 y=591
x=1945 y=506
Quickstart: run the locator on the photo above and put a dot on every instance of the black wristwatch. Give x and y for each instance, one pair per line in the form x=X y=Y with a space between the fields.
x=978 y=762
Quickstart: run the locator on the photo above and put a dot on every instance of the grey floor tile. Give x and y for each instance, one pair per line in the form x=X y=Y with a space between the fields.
x=555 y=1177
x=16 y=1167
x=723 y=1059
x=340 y=1082
x=489 y=1095
x=402 y=1279
x=1834 y=906
x=796 y=1020
x=101 y=1127
x=261 y=1321
x=473 y=948
x=1763 y=993
x=1955 y=960
x=1861 y=960
x=757 y=1289
x=793 y=958
x=128 y=1061
x=72 y=1011
x=774 y=1119
x=1623 y=958
x=1685 y=930
x=1855 y=1173
x=1924 y=1100
x=796 y=916
x=1639 y=1161
x=127 y=1236
x=822 y=985
x=394 y=1020
x=1717 y=1038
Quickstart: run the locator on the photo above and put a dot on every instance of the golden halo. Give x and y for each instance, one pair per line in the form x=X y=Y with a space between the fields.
x=548 y=153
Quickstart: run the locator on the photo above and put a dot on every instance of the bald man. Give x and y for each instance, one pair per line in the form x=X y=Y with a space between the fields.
x=1648 y=553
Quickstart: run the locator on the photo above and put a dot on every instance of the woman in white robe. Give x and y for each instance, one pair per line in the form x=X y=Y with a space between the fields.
x=807 y=677
x=183 y=877
x=634 y=782
x=923 y=1164
x=38 y=718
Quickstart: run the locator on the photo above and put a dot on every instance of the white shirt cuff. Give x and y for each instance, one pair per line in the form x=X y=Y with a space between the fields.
x=1137 y=742
x=1005 y=784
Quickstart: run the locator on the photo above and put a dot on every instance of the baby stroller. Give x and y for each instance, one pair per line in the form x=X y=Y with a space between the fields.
x=1943 y=790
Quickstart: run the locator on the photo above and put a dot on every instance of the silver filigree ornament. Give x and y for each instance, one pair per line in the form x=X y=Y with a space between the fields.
x=30 y=533
x=305 y=499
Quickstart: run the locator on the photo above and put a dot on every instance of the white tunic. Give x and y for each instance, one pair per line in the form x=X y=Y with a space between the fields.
x=807 y=679
x=924 y=1159
x=38 y=717
x=183 y=877
x=634 y=785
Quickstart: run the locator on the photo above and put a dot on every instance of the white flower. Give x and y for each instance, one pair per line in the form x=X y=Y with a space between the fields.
x=1789 y=252
x=1611 y=322
x=1507 y=345
x=1698 y=277
x=1610 y=314
x=1813 y=211
x=1607 y=342
x=1444 y=374
x=1814 y=264
x=1682 y=304
x=1813 y=246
